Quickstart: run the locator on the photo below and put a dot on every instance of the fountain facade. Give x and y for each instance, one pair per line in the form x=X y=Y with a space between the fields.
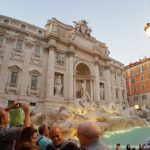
x=59 y=70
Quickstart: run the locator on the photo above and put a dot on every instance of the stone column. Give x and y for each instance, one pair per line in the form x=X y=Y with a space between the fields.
x=108 y=85
x=50 y=69
x=96 y=85
x=91 y=88
x=70 y=84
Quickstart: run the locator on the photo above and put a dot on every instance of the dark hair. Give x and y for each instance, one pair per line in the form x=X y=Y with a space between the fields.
x=128 y=147
x=27 y=134
x=41 y=129
x=118 y=145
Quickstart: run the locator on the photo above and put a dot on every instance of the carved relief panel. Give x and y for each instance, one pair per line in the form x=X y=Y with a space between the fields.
x=60 y=59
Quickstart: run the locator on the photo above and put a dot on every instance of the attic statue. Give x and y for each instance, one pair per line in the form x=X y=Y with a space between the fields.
x=82 y=27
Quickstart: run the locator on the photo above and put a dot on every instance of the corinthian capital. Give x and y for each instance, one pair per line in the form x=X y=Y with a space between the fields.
x=51 y=44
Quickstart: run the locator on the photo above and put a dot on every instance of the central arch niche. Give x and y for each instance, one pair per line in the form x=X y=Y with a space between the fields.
x=83 y=73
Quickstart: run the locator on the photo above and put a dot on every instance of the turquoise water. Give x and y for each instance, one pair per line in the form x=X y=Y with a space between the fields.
x=134 y=137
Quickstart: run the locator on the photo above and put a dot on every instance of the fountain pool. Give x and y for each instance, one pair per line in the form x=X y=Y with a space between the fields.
x=134 y=136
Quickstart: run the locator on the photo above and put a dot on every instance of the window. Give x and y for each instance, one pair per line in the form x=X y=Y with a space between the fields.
x=142 y=78
x=117 y=93
x=40 y=32
x=134 y=89
x=32 y=104
x=33 y=82
x=19 y=45
x=6 y=21
x=37 y=51
x=144 y=96
x=123 y=94
x=143 y=87
x=13 y=78
x=132 y=80
x=141 y=69
x=132 y=73
x=1 y=40
x=135 y=98
x=23 y=26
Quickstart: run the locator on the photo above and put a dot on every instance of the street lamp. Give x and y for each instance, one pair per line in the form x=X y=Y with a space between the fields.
x=147 y=29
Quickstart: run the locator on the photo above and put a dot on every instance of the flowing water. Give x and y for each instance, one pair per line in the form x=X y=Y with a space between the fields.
x=134 y=137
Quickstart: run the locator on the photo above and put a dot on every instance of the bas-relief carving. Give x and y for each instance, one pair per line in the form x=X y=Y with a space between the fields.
x=36 y=61
x=60 y=59
x=17 y=56
x=29 y=44
x=72 y=35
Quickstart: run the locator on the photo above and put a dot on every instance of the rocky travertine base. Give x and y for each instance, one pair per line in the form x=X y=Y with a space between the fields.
x=68 y=119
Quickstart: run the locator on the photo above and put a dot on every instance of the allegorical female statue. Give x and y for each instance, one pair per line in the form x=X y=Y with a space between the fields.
x=58 y=85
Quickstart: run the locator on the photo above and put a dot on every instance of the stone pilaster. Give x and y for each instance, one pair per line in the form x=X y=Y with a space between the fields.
x=96 y=85
x=50 y=69
x=108 y=85
x=70 y=75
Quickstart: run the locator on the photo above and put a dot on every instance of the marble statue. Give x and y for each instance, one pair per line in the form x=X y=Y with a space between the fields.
x=58 y=85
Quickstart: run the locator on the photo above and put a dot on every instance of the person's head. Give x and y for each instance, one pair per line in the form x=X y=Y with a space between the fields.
x=43 y=130
x=56 y=135
x=3 y=117
x=87 y=132
x=128 y=147
x=29 y=134
x=118 y=146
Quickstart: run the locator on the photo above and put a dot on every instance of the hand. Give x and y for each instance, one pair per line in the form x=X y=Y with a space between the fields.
x=25 y=107
x=14 y=105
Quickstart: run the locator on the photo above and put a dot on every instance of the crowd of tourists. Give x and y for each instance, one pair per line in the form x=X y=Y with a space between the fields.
x=27 y=137
x=130 y=147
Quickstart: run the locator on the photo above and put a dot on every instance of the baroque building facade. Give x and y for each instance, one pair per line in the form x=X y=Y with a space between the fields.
x=57 y=65
x=138 y=82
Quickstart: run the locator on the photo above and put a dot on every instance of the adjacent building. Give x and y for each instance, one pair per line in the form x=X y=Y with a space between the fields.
x=47 y=67
x=138 y=82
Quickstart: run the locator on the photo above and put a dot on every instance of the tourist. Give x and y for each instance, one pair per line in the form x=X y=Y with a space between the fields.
x=146 y=145
x=8 y=136
x=140 y=147
x=133 y=148
x=88 y=134
x=128 y=147
x=43 y=137
x=28 y=135
x=59 y=142
x=118 y=146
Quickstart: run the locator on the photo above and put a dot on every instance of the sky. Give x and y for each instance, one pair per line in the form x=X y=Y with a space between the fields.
x=117 y=23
